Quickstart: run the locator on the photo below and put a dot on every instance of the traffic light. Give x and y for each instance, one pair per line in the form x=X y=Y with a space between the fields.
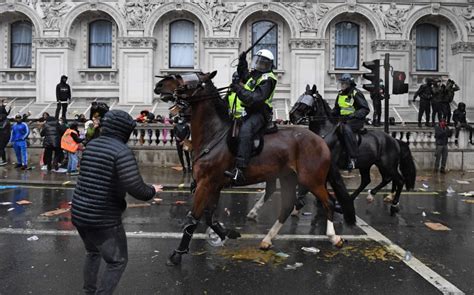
x=373 y=76
x=399 y=85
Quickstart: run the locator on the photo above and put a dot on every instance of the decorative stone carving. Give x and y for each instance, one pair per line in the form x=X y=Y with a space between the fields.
x=467 y=14
x=221 y=42
x=137 y=13
x=307 y=43
x=463 y=47
x=52 y=13
x=137 y=42
x=392 y=18
x=307 y=14
x=67 y=43
x=221 y=14
x=390 y=45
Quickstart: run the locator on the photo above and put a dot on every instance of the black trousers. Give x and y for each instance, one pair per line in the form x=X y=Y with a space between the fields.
x=425 y=108
x=251 y=125
x=58 y=109
x=437 y=110
x=111 y=245
x=446 y=110
x=48 y=156
x=464 y=126
x=181 y=151
x=350 y=142
x=377 y=110
x=3 y=145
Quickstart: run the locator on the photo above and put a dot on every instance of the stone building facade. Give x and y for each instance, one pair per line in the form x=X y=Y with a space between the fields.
x=113 y=49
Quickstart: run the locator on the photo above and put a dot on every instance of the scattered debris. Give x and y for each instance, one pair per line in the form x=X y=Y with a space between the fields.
x=199 y=253
x=179 y=203
x=227 y=211
x=450 y=191
x=10 y=209
x=468 y=201
x=5 y=203
x=437 y=226
x=23 y=202
x=422 y=189
x=293 y=266
x=33 y=238
x=311 y=250
x=181 y=185
x=423 y=214
x=307 y=213
x=55 y=212
x=436 y=213
x=425 y=185
x=468 y=194
x=254 y=255
x=177 y=168
x=138 y=205
x=422 y=178
x=462 y=181
x=407 y=256
x=282 y=255
x=391 y=267
x=157 y=201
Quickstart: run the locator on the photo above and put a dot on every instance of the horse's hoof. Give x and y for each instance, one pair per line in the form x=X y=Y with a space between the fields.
x=340 y=244
x=174 y=259
x=394 y=209
x=370 y=198
x=388 y=198
x=252 y=216
x=295 y=212
x=265 y=245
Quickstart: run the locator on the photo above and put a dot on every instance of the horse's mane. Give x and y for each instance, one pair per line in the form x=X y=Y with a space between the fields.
x=326 y=108
x=220 y=104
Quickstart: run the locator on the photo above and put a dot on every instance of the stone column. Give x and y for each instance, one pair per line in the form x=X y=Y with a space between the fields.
x=135 y=57
x=52 y=56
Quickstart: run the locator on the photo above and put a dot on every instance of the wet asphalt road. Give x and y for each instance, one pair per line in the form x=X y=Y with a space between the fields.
x=52 y=264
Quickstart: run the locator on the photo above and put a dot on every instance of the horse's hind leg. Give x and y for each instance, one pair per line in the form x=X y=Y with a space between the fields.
x=398 y=183
x=270 y=188
x=364 y=182
x=288 y=195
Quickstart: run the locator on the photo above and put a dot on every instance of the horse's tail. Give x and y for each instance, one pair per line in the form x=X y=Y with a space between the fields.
x=342 y=196
x=407 y=165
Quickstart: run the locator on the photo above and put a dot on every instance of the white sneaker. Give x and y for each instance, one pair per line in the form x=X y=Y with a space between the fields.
x=44 y=168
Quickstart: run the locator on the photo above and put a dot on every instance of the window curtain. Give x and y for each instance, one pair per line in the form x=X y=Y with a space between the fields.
x=100 y=44
x=21 y=37
x=347 y=46
x=182 y=44
x=426 y=48
x=269 y=42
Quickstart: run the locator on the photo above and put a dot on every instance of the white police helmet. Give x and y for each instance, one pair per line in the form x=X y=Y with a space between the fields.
x=263 y=61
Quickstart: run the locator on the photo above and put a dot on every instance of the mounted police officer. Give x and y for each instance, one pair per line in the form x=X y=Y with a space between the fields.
x=425 y=93
x=351 y=108
x=251 y=103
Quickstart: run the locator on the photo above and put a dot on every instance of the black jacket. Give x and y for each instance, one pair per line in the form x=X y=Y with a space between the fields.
x=5 y=130
x=50 y=132
x=450 y=91
x=108 y=171
x=442 y=135
x=424 y=92
x=360 y=104
x=63 y=92
x=181 y=131
x=459 y=116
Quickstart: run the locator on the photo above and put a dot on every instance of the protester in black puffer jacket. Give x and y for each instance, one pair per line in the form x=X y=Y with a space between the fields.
x=108 y=171
x=5 y=130
x=51 y=143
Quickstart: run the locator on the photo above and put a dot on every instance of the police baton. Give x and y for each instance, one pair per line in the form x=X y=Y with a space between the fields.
x=232 y=64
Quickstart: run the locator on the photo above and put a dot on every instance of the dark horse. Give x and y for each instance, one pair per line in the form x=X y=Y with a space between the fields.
x=376 y=148
x=294 y=155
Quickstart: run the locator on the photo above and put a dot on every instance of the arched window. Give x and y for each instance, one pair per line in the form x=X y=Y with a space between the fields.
x=270 y=41
x=347 y=46
x=181 y=44
x=426 y=47
x=21 y=36
x=100 y=44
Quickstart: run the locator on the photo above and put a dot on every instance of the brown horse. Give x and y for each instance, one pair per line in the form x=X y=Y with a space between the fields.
x=294 y=155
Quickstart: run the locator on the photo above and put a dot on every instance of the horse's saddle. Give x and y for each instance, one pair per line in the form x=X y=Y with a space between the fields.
x=258 y=140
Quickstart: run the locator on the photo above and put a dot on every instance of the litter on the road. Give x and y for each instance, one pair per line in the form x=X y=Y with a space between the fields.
x=468 y=201
x=138 y=205
x=181 y=185
x=312 y=250
x=307 y=213
x=10 y=209
x=437 y=226
x=23 y=202
x=293 y=266
x=468 y=194
x=55 y=212
x=157 y=201
x=462 y=181
x=407 y=256
x=425 y=185
x=179 y=203
x=5 y=203
x=422 y=178
x=177 y=168
x=436 y=213
x=33 y=238
x=450 y=190
x=422 y=189
x=282 y=255
x=423 y=214
x=227 y=211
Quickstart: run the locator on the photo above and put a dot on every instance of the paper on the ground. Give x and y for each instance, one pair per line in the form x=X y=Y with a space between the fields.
x=138 y=205
x=437 y=226
x=23 y=202
x=55 y=212
x=462 y=181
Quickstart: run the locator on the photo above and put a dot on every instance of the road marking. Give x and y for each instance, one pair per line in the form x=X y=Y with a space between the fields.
x=424 y=271
x=178 y=235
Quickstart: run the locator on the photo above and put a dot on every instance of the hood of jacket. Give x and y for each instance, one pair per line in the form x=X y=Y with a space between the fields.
x=118 y=124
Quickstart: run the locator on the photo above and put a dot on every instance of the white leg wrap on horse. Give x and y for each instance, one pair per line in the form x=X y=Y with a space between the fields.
x=331 y=233
x=258 y=205
x=273 y=232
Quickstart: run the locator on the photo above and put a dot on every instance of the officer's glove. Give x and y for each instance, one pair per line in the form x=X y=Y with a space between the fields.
x=235 y=86
x=243 y=65
x=235 y=78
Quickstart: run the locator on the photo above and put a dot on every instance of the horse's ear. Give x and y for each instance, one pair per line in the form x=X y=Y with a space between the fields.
x=314 y=89
x=212 y=75
x=307 y=87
